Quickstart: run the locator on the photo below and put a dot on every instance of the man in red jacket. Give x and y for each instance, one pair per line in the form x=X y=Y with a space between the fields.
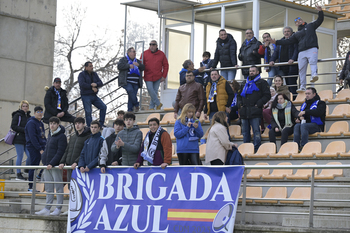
x=156 y=70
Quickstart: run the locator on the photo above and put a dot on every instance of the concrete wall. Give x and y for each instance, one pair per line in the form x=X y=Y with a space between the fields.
x=27 y=31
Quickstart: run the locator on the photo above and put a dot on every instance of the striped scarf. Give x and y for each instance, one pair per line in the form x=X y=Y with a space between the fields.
x=287 y=106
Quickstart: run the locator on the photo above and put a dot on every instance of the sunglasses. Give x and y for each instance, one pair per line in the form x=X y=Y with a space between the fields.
x=152 y=44
x=296 y=19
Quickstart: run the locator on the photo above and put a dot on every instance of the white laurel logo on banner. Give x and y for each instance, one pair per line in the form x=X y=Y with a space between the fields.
x=89 y=193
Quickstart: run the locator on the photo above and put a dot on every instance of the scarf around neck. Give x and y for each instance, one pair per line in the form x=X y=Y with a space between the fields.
x=148 y=153
x=213 y=91
x=134 y=70
x=250 y=86
x=192 y=137
x=287 y=106
x=59 y=101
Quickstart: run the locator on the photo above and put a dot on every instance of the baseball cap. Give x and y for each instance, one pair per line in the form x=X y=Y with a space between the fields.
x=56 y=80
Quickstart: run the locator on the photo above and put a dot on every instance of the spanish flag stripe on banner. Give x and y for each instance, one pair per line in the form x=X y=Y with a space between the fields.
x=191 y=219
x=192 y=215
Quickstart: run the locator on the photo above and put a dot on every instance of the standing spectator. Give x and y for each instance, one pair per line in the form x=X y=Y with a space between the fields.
x=156 y=147
x=248 y=52
x=75 y=146
x=55 y=147
x=345 y=73
x=191 y=92
x=56 y=103
x=120 y=115
x=279 y=87
x=188 y=131
x=226 y=54
x=89 y=83
x=234 y=107
x=189 y=66
x=313 y=111
x=266 y=50
x=208 y=63
x=92 y=149
x=254 y=93
x=130 y=78
x=219 y=95
x=283 y=118
x=35 y=141
x=156 y=71
x=128 y=140
x=287 y=53
x=218 y=142
x=18 y=124
x=112 y=158
x=306 y=38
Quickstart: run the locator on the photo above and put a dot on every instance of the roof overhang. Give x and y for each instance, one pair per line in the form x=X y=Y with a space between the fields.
x=165 y=5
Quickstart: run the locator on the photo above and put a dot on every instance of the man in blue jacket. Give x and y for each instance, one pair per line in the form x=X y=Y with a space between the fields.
x=55 y=148
x=35 y=140
x=89 y=83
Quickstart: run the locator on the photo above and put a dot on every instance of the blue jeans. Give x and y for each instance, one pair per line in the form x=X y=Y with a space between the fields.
x=254 y=123
x=132 y=89
x=35 y=158
x=303 y=131
x=272 y=72
x=152 y=88
x=88 y=100
x=228 y=74
x=20 y=149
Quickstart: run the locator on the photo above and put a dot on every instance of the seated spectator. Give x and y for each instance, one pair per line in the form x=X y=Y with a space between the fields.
x=75 y=146
x=189 y=66
x=312 y=115
x=280 y=87
x=267 y=110
x=55 y=147
x=56 y=103
x=128 y=140
x=345 y=73
x=283 y=118
x=92 y=149
x=156 y=149
x=191 y=92
x=208 y=63
x=219 y=95
x=234 y=107
x=130 y=77
x=113 y=158
x=218 y=142
x=188 y=131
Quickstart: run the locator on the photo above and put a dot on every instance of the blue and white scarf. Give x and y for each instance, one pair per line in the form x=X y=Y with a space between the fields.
x=59 y=101
x=148 y=153
x=192 y=137
x=266 y=53
x=248 y=41
x=313 y=119
x=212 y=92
x=206 y=67
x=234 y=101
x=250 y=86
x=134 y=70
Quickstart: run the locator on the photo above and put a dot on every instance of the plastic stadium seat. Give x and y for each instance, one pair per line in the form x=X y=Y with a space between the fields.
x=326 y=95
x=202 y=120
x=252 y=192
x=337 y=129
x=343 y=96
x=329 y=174
x=257 y=173
x=172 y=136
x=309 y=150
x=347 y=16
x=286 y=150
x=144 y=132
x=169 y=110
x=300 y=98
x=167 y=119
x=173 y=152
x=156 y=115
x=333 y=149
x=205 y=136
x=279 y=173
x=234 y=130
x=340 y=111
x=277 y=193
x=298 y=193
x=202 y=149
x=335 y=8
x=302 y=174
x=334 y=2
x=246 y=149
x=346 y=8
x=345 y=154
x=266 y=133
x=264 y=150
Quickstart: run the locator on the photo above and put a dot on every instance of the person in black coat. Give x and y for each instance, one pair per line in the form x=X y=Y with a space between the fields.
x=114 y=158
x=18 y=124
x=226 y=54
x=248 y=52
x=284 y=115
x=345 y=72
x=56 y=103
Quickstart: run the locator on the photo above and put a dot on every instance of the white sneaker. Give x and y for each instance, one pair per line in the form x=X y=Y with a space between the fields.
x=43 y=212
x=65 y=213
x=313 y=79
x=301 y=89
x=56 y=212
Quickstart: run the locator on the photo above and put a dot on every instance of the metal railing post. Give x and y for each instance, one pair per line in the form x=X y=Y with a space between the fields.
x=311 y=212
x=32 y=206
x=244 y=195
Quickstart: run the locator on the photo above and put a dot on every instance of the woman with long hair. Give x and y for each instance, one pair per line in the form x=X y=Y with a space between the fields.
x=218 y=142
x=188 y=131
x=283 y=118
x=279 y=85
x=19 y=121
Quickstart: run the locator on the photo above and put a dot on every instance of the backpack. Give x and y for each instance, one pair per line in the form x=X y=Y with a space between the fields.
x=234 y=157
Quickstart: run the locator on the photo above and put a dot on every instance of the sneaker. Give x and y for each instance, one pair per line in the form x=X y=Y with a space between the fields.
x=159 y=106
x=20 y=177
x=301 y=89
x=26 y=170
x=151 y=109
x=136 y=108
x=38 y=178
x=65 y=213
x=56 y=212
x=313 y=79
x=43 y=212
x=31 y=190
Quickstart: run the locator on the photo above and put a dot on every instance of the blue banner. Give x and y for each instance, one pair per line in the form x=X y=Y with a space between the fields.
x=151 y=199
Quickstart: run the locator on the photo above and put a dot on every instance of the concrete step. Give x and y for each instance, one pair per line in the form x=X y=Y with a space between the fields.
x=318 y=222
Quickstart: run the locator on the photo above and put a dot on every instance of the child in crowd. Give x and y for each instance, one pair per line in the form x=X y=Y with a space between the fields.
x=208 y=63
x=157 y=146
x=128 y=140
x=188 y=131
